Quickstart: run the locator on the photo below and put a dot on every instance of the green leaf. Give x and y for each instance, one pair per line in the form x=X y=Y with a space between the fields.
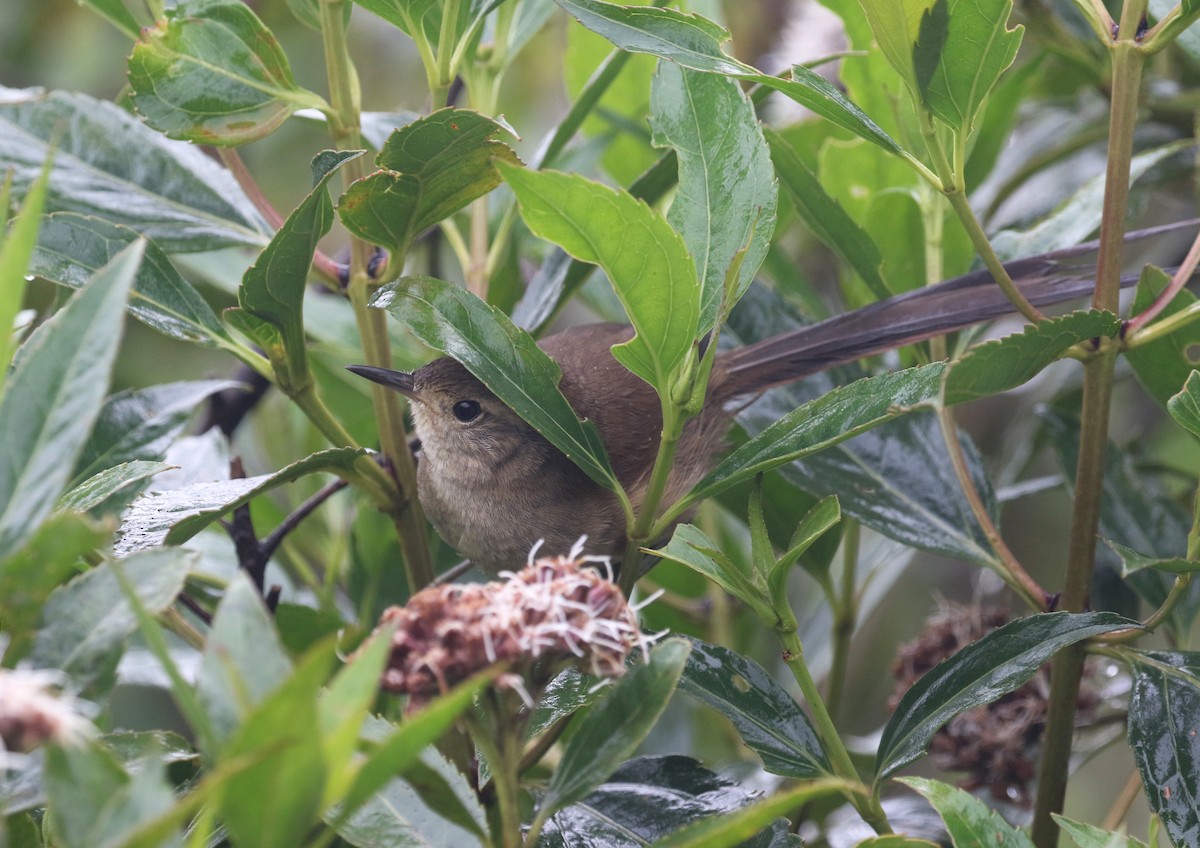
x=894 y=841
x=646 y=261
x=695 y=42
x=1090 y=836
x=115 y=13
x=691 y=547
x=429 y=169
x=212 y=73
x=171 y=192
x=819 y=520
x=92 y=802
x=1184 y=406
x=826 y=217
x=1132 y=561
x=616 y=726
x=288 y=778
x=54 y=395
x=505 y=358
x=27 y=576
x=243 y=660
x=732 y=829
x=17 y=240
x=423 y=20
x=712 y=127
x=1006 y=363
x=102 y=488
x=174 y=516
x=1162 y=734
x=767 y=718
x=72 y=247
x=141 y=424
x=979 y=674
x=1167 y=363
x=826 y=421
x=962 y=48
x=88 y=620
x=272 y=288
x=969 y=821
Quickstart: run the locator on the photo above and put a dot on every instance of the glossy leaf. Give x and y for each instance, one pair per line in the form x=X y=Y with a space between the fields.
x=272 y=289
x=969 y=821
x=695 y=42
x=17 y=240
x=615 y=726
x=27 y=576
x=72 y=247
x=429 y=169
x=727 y=193
x=88 y=620
x=288 y=776
x=824 y=422
x=1006 y=363
x=171 y=192
x=141 y=424
x=1164 y=738
x=212 y=73
x=826 y=217
x=1090 y=836
x=504 y=358
x=691 y=547
x=1184 y=406
x=646 y=261
x=980 y=673
x=767 y=718
x=104 y=486
x=54 y=395
x=652 y=798
x=243 y=660
x=565 y=695
x=172 y=517
x=1132 y=561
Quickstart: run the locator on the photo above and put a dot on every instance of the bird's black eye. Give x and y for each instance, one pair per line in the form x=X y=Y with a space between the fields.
x=466 y=410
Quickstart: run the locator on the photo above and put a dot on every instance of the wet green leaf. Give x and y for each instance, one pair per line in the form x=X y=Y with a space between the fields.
x=102 y=487
x=54 y=395
x=969 y=821
x=727 y=193
x=979 y=674
x=212 y=73
x=504 y=358
x=646 y=261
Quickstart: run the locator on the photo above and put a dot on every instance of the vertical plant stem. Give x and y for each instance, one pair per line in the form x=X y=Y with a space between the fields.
x=793 y=654
x=405 y=510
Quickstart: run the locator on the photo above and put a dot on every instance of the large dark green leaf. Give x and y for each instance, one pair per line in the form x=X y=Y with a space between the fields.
x=647 y=262
x=170 y=192
x=969 y=821
x=429 y=169
x=979 y=674
x=650 y=798
x=1006 y=363
x=1163 y=366
x=88 y=620
x=506 y=359
x=54 y=395
x=212 y=73
x=712 y=127
x=1162 y=734
x=768 y=719
x=72 y=247
x=695 y=42
x=273 y=287
x=616 y=726
x=174 y=516
x=824 y=422
x=140 y=424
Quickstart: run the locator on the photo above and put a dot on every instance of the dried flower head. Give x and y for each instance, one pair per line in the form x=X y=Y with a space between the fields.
x=556 y=611
x=32 y=713
x=995 y=744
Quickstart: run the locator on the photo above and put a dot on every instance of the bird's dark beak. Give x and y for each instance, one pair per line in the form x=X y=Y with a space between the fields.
x=401 y=381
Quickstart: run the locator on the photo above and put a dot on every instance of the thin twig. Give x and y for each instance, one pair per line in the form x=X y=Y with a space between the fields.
x=233 y=161
x=272 y=541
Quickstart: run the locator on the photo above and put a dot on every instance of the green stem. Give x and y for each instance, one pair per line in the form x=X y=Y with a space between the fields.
x=1165 y=327
x=494 y=743
x=1068 y=665
x=445 y=52
x=641 y=531
x=839 y=757
x=845 y=614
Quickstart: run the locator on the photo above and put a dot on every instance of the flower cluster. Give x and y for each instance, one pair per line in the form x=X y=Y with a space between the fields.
x=31 y=714
x=557 y=610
